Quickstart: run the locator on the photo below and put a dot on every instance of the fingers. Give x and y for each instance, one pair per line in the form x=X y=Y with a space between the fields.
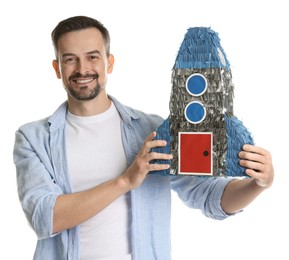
x=150 y=143
x=255 y=149
x=258 y=164
x=138 y=170
x=146 y=154
x=254 y=157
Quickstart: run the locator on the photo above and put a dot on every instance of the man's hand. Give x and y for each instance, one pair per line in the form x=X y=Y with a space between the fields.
x=258 y=164
x=137 y=171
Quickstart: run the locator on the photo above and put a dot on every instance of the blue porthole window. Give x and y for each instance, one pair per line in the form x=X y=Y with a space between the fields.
x=195 y=112
x=196 y=84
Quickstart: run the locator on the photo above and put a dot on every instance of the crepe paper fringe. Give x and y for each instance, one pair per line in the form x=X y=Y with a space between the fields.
x=200 y=49
x=237 y=136
x=163 y=133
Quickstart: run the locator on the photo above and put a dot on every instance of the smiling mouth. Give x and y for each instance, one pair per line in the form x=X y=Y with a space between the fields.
x=83 y=81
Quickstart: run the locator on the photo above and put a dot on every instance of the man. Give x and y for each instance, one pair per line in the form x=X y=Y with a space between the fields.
x=82 y=173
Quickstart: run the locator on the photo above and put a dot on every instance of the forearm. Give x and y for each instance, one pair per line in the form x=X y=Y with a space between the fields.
x=238 y=194
x=72 y=209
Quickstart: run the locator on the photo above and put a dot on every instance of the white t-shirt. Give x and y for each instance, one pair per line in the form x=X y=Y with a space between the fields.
x=95 y=154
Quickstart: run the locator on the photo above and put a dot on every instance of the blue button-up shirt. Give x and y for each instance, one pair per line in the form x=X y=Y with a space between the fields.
x=42 y=175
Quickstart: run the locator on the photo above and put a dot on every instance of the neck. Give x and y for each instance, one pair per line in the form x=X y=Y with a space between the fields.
x=92 y=107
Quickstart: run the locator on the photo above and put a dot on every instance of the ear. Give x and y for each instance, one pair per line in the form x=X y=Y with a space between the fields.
x=56 y=68
x=110 y=63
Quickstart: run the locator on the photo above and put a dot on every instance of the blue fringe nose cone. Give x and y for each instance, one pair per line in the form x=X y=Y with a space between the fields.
x=202 y=132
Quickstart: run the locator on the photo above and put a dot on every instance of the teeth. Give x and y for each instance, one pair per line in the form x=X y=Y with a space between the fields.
x=83 y=80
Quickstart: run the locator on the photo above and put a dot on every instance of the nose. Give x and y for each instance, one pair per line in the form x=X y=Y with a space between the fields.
x=83 y=67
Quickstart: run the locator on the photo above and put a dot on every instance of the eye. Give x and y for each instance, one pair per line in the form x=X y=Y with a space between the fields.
x=69 y=60
x=93 y=57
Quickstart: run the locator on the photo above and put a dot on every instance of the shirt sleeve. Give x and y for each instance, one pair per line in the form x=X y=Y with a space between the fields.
x=202 y=193
x=37 y=189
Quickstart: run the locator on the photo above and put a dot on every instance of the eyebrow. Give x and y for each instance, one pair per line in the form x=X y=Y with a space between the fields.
x=93 y=52
x=72 y=54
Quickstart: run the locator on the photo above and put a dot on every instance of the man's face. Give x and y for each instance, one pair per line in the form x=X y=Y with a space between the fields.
x=82 y=63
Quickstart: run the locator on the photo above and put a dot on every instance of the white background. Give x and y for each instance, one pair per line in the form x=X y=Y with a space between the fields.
x=146 y=36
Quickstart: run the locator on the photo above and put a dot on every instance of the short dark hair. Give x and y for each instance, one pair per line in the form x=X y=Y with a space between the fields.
x=77 y=23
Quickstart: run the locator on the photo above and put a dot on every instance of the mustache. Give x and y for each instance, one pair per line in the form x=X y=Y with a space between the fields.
x=79 y=75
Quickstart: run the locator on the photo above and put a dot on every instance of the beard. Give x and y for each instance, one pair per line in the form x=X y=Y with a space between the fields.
x=84 y=93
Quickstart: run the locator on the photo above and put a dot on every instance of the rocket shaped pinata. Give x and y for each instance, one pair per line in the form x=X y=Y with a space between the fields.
x=201 y=131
